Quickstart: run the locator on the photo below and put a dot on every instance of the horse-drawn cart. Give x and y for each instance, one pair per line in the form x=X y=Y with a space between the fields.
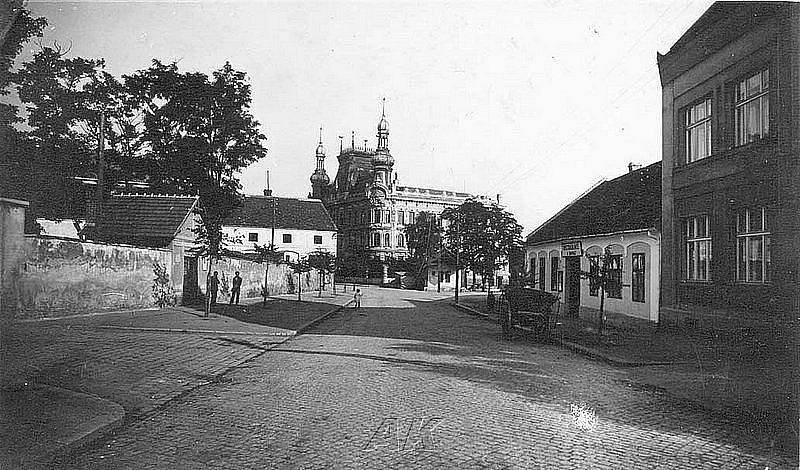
x=528 y=308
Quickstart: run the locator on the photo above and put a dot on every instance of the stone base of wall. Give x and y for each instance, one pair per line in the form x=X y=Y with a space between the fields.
x=613 y=318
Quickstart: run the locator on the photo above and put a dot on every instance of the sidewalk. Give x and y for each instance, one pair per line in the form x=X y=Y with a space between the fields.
x=743 y=374
x=69 y=381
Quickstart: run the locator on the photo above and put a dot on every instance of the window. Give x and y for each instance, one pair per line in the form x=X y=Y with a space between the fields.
x=637 y=277
x=401 y=217
x=252 y=236
x=752 y=108
x=594 y=272
x=697 y=260
x=287 y=238
x=752 y=246
x=554 y=273
x=542 y=272
x=386 y=240
x=411 y=217
x=288 y=258
x=318 y=239
x=400 y=240
x=615 y=276
x=376 y=239
x=376 y=216
x=447 y=275
x=698 y=131
x=387 y=218
x=532 y=271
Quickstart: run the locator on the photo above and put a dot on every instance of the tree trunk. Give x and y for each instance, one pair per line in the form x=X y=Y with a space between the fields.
x=299 y=286
x=266 y=284
x=208 y=289
x=600 y=320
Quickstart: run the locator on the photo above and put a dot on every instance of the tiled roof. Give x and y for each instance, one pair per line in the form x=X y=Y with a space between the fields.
x=629 y=202
x=151 y=220
x=290 y=213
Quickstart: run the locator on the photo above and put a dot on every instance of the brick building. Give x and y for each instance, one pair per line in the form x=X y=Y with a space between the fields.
x=731 y=179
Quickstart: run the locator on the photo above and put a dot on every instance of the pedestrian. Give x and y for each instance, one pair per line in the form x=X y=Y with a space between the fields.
x=237 y=286
x=214 y=287
x=357 y=298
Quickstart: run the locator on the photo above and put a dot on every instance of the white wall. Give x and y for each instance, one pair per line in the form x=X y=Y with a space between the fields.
x=302 y=240
x=622 y=243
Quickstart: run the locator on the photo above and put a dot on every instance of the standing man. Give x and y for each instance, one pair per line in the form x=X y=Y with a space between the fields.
x=357 y=299
x=237 y=286
x=214 y=286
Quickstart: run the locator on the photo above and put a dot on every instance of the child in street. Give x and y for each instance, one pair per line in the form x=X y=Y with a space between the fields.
x=357 y=298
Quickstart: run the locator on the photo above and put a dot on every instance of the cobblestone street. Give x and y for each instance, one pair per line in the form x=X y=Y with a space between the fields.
x=410 y=382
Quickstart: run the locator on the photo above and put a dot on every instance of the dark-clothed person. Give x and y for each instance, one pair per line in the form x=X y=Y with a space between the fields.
x=237 y=287
x=214 y=287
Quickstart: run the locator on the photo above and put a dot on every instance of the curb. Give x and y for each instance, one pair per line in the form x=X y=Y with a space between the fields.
x=585 y=350
x=302 y=328
x=84 y=436
x=180 y=330
x=85 y=315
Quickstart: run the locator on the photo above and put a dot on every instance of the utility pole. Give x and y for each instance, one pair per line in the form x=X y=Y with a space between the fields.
x=101 y=163
x=439 y=264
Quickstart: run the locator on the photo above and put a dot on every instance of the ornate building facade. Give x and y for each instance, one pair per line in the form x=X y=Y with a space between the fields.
x=370 y=208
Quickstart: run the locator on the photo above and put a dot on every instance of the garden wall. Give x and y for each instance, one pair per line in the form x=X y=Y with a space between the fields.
x=62 y=277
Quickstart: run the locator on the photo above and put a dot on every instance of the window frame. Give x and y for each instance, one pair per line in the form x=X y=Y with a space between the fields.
x=319 y=237
x=691 y=258
x=594 y=272
x=252 y=236
x=542 y=272
x=554 y=270
x=740 y=103
x=744 y=233
x=614 y=290
x=638 y=277
x=689 y=126
x=287 y=238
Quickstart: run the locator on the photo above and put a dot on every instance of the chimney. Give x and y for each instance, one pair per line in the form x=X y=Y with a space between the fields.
x=498 y=199
x=267 y=191
x=633 y=167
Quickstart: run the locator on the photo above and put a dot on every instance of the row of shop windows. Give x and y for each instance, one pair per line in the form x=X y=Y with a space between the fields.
x=375 y=240
x=753 y=263
x=750 y=107
x=286 y=238
x=614 y=289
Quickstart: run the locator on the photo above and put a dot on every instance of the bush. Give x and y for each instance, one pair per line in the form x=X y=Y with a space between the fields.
x=163 y=292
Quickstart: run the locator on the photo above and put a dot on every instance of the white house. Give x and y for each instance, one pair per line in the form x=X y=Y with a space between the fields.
x=296 y=227
x=622 y=216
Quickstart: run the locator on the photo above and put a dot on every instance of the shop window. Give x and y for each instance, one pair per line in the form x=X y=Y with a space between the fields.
x=752 y=108
x=697 y=248
x=752 y=246
x=554 y=274
x=542 y=272
x=637 y=277
x=614 y=270
x=594 y=272
x=698 y=131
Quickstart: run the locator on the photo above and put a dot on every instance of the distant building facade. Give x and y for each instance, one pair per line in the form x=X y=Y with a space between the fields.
x=622 y=216
x=731 y=153
x=296 y=227
x=369 y=207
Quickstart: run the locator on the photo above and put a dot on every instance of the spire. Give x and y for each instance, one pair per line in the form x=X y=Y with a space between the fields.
x=383 y=129
x=319 y=179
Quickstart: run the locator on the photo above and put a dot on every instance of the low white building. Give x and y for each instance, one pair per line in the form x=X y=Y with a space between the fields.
x=296 y=227
x=622 y=216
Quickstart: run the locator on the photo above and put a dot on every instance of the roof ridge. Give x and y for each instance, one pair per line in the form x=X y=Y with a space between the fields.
x=184 y=196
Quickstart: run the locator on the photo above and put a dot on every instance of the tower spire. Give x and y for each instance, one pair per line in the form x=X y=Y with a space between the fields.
x=383 y=130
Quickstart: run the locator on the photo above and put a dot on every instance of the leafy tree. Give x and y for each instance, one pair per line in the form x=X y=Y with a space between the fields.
x=485 y=235
x=324 y=263
x=600 y=277
x=267 y=254
x=23 y=29
x=423 y=238
x=200 y=133
x=299 y=267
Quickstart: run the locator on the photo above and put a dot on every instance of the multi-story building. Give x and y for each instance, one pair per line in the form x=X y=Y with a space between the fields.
x=368 y=205
x=731 y=160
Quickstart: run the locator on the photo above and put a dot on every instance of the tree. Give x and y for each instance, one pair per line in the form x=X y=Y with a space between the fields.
x=22 y=29
x=601 y=278
x=200 y=134
x=423 y=238
x=325 y=263
x=485 y=235
x=267 y=254
x=300 y=267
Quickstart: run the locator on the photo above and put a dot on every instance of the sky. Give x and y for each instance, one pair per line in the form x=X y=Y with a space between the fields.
x=536 y=101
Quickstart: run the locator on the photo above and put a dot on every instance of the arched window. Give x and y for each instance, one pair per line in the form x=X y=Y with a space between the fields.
x=376 y=239
x=386 y=240
x=400 y=241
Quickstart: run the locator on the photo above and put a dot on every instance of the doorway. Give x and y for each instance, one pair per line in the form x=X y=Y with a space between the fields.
x=190 y=288
x=573 y=288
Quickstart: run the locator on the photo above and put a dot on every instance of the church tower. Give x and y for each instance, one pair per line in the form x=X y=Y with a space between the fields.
x=319 y=179
x=382 y=160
